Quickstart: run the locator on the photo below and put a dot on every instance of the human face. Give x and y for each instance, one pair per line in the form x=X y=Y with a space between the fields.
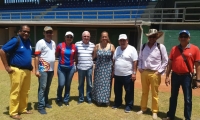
x=184 y=38
x=123 y=43
x=152 y=39
x=104 y=37
x=48 y=34
x=68 y=39
x=24 y=32
x=86 y=37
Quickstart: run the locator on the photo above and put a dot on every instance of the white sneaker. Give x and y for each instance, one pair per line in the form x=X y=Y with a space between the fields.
x=155 y=116
x=167 y=118
x=139 y=112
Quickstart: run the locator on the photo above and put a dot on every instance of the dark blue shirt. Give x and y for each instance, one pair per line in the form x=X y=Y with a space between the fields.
x=22 y=56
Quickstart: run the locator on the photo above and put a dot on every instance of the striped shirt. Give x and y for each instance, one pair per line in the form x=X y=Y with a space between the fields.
x=84 y=55
x=66 y=54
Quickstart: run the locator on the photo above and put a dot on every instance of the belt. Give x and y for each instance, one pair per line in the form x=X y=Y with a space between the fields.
x=150 y=70
x=28 y=68
x=182 y=73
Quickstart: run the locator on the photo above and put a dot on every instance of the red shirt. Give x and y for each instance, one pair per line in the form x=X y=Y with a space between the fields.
x=191 y=53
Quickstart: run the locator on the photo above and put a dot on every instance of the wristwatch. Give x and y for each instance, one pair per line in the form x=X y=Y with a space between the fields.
x=134 y=73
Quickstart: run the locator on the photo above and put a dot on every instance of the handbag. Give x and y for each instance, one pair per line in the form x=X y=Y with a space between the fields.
x=193 y=75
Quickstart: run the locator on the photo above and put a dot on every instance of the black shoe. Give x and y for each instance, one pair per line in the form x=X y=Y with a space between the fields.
x=66 y=103
x=42 y=111
x=79 y=102
x=48 y=106
x=59 y=103
x=89 y=102
x=115 y=107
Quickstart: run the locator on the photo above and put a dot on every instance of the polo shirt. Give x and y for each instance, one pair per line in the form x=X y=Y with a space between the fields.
x=22 y=56
x=85 y=51
x=46 y=52
x=124 y=60
x=66 y=54
x=191 y=53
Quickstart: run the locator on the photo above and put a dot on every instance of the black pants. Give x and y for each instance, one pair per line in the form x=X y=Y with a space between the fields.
x=128 y=84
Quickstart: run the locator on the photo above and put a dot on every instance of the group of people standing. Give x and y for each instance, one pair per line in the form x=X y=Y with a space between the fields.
x=120 y=63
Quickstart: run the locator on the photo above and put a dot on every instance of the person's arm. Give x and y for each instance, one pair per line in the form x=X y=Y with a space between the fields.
x=37 y=73
x=140 y=61
x=38 y=47
x=169 y=68
x=134 y=70
x=4 y=60
x=94 y=54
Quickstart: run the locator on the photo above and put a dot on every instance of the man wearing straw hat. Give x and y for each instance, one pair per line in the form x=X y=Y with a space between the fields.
x=153 y=60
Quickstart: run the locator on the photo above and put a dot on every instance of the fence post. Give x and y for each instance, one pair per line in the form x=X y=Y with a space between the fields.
x=184 y=12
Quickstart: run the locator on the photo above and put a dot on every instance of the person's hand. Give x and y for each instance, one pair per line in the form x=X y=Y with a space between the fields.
x=133 y=77
x=37 y=74
x=140 y=70
x=9 y=70
x=167 y=81
x=112 y=74
x=157 y=73
x=198 y=84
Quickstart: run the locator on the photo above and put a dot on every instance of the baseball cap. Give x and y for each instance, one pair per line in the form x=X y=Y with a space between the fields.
x=47 y=28
x=69 y=33
x=184 y=31
x=122 y=36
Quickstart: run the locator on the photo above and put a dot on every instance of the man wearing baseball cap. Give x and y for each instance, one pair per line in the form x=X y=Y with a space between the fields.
x=125 y=66
x=44 y=67
x=181 y=73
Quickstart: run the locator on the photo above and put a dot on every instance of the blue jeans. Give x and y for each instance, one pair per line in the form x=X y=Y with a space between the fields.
x=176 y=82
x=64 y=80
x=81 y=79
x=44 y=87
x=128 y=84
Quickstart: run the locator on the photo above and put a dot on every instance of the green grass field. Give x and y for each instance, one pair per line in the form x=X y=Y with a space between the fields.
x=88 y=111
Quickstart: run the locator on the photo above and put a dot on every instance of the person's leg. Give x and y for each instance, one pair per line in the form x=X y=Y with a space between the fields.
x=25 y=88
x=42 y=80
x=15 y=79
x=118 y=91
x=175 y=85
x=145 y=90
x=187 y=92
x=69 y=76
x=61 y=83
x=128 y=86
x=155 y=82
x=89 y=84
x=49 y=80
x=81 y=80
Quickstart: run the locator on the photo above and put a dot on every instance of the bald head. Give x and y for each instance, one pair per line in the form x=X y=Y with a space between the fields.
x=86 y=37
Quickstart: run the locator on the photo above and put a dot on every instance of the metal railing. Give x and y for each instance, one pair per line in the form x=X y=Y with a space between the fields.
x=151 y=14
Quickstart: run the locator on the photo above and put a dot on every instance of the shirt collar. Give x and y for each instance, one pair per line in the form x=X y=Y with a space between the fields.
x=84 y=43
x=188 y=46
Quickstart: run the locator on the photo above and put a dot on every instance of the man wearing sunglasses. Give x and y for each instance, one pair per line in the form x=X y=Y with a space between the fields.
x=44 y=67
x=152 y=63
x=19 y=69
x=181 y=73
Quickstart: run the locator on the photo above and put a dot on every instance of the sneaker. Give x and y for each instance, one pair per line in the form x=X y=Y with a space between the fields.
x=140 y=112
x=127 y=109
x=42 y=111
x=167 y=118
x=115 y=107
x=48 y=106
x=59 y=103
x=66 y=103
x=154 y=116
x=79 y=102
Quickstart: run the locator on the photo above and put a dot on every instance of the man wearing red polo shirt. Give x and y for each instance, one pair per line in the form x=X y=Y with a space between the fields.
x=181 y=75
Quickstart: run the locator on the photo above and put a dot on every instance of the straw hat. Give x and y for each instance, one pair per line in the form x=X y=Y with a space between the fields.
x=154 y=31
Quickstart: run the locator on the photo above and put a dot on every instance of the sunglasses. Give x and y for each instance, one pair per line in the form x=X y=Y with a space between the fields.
x=183 y=36
x=152 y=36
x=48 y=32
x=26 y=31
x=69 y=37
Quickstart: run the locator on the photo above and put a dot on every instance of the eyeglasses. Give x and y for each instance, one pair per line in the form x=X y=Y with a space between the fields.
x=26 y=31
x=48 y=32
x=69 y=37
x=183 y=36
x=152 y=36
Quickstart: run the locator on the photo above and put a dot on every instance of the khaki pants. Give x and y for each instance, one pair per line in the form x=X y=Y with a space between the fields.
x=20 y=86
x=148 y=78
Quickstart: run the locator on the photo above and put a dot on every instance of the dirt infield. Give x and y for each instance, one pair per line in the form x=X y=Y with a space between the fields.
x=162 y=88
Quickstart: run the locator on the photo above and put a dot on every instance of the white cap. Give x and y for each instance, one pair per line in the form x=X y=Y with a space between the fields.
x=69 y=33
x=122 y=36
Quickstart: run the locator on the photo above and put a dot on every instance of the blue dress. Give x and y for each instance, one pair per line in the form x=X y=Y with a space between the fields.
x=102 y=76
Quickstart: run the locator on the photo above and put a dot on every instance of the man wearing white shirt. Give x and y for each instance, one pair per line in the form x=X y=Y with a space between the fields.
x=125 y=67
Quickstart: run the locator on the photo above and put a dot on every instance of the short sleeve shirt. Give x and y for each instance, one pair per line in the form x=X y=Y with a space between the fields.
x=46 y=52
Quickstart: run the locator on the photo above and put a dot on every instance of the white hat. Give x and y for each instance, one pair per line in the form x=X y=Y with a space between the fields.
x=47 y=28
x=154 y=31
x=69 y=33
x=122 y=36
